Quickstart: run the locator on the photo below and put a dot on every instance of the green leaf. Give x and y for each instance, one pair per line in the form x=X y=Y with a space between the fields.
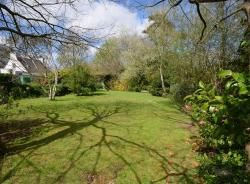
x=201 y=85
x=188 y=97
x=225 y=73
x=219 y=98
x=229 y=84
x=215 y=118
x=197 y=91
x=244 y=43
x=205 y=106
x=239 y=77
x=243 y=89
x=212 y=92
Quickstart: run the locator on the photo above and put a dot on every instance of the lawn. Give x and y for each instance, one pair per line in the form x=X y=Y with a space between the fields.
x=108 y=138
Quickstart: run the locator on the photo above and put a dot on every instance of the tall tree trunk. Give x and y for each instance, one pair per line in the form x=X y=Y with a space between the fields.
x=53 y=87
x=162 y=79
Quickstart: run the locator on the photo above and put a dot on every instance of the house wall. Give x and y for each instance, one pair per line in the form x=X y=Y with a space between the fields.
x=4 y=71
x=14 y=65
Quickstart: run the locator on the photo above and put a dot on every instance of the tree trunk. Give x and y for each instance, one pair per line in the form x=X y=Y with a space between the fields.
x=53 y=87
x=162 y=80
x=50 y=92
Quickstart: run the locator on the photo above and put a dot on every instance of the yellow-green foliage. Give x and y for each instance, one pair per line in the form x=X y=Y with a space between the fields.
x=119 y=85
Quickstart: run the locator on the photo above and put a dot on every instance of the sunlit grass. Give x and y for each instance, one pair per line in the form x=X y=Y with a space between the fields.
x=113 y=137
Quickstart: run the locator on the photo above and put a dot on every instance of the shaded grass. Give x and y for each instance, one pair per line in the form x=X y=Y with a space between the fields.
x=117 y=137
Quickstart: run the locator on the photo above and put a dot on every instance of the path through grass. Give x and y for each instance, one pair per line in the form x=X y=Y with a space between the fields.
x=110 y=138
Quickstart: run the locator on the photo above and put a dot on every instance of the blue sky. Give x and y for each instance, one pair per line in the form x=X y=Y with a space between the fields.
x=109 y=17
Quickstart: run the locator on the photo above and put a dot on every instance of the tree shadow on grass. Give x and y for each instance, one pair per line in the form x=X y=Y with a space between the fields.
x=28 y=131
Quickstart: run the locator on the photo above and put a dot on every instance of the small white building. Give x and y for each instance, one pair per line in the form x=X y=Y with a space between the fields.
x=12 y=65
x=17 y=64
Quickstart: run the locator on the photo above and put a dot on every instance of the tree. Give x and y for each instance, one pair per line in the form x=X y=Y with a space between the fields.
x=79 y=79
x=107 y=59
x=52 y=77
x=71 y=55
x=211 y=127
x=40 y=19
x=135 y=59
x=240 y=6
x=107 y=62
x=160 y=32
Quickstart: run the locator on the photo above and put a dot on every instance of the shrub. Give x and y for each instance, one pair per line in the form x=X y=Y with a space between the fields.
x=137 y=83
x=99 y=86
x=120 y=85
x=155 y=87
x=108 y=81
x=222 y=116
x=79 y=80
x=155 y=91
x=62 y=90
x=24 y=91
x=84 y=91
x=6 y=85
x=179 y=91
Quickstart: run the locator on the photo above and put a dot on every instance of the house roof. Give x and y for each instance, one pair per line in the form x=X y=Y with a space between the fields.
x=3 y=62
x=33 y=66
x=4 y=55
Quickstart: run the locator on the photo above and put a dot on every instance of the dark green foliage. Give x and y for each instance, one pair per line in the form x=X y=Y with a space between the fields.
x=223 y=119
x=155 y=91
x=137 y=83
x=25 y=91
x=79 y=80
x=108 y=81
x=244 y=52
x=11 y=87
x=84 y=91
x=179 y=91
x=155 y=87
x=62 y=90
x=6 y=84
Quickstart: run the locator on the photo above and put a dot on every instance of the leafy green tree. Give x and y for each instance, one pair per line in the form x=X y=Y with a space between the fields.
x=79 y=79
x=160 y=32
x=136 y=59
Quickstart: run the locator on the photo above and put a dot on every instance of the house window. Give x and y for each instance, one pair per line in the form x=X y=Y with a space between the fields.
x=25 y=79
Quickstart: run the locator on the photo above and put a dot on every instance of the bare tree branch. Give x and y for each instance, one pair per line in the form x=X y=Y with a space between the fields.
x=36 y=20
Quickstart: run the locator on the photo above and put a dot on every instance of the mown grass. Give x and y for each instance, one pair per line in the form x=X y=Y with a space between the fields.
x=112 y=137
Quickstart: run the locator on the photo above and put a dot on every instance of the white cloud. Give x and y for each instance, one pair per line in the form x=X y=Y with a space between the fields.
x=92 y=51
x=109 y=17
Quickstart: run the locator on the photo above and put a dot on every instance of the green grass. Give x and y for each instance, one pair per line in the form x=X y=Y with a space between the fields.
x=113 y=137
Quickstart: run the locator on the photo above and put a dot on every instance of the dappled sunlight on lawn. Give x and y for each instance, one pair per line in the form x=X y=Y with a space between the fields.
x=104 y=141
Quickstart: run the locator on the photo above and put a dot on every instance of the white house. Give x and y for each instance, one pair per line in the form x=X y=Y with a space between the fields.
x=17 y=64
x=12 y=65
x=25 y=67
